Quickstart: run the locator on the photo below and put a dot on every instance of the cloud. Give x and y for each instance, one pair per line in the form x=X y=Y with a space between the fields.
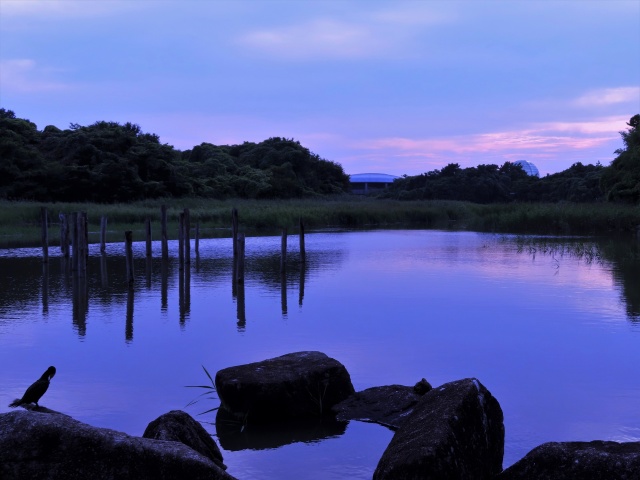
x=25 y=76
x=63 y=8
x=609 y=96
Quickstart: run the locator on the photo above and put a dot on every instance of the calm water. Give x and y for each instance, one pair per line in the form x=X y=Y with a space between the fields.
x=550 y=326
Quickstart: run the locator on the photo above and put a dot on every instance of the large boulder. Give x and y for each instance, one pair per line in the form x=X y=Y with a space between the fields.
x=38 y=445
x=181 y=427
x=456 y=431
x=296 y=385
x=584 y=460
x=389 y=405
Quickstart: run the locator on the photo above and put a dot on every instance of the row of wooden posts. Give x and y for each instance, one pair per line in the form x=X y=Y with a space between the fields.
x=74 y=231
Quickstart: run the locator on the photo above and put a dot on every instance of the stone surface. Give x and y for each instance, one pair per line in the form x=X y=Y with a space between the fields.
x=37 y=445
x=389 y=405
x=179 y=426
x=578 y=460
x=456 y=431
x=295 y=385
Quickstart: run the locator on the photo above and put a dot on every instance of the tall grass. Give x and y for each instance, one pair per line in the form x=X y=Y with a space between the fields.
x=20 y=221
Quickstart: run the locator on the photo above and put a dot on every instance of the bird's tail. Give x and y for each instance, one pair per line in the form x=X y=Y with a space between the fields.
x=16 y=403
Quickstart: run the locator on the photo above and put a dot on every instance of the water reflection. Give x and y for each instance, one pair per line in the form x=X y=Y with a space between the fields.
x=234 y=436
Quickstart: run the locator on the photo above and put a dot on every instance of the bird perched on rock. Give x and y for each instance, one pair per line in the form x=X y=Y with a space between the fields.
x=36 y=390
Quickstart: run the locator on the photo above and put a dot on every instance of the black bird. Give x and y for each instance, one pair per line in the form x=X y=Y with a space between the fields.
x=36 y=390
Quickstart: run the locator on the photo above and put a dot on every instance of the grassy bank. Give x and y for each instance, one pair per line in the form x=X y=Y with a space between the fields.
x=20 y=221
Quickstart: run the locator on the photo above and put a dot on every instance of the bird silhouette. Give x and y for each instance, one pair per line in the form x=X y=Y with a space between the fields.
x=36 y=390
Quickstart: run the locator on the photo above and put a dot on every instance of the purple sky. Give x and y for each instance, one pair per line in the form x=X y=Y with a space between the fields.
x=398 y=87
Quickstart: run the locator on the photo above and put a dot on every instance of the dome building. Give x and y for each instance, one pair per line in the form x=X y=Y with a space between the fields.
x=528 y=167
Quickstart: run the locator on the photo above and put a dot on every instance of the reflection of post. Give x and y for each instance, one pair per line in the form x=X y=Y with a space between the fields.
x=80 y=305
x=283 y=250
x=187 y=236
x=128 y=329
x=104 y=279
x=45 y=234
x=147 y=270
x=303 y=252
x=302 y=275
x=197 y=239
x=234 y=231
x=103 y=234
x=45 y=288
x=163 y=229
x=283 y=293
x=240 y=262
x=240 y=304
x=181 y=296
x=181 y=240
x=128 y=249
x=187 y=292
x=164 y=285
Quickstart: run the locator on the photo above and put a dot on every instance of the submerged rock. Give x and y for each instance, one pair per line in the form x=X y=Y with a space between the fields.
x=456 y=431
x=595 y=460
x=38 y=445
x=179 y=426
x=296 y=385
x=388 y=405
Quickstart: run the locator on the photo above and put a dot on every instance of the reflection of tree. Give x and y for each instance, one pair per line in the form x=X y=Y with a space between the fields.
x=621 y=255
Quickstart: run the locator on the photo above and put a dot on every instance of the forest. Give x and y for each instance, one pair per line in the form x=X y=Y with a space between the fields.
x=108 y=162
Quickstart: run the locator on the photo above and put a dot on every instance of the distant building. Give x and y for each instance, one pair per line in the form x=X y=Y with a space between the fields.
x=528 y=167
x=364 y=183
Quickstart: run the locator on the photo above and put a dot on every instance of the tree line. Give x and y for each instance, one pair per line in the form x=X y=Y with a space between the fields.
x=109 y=162
x=619 y=182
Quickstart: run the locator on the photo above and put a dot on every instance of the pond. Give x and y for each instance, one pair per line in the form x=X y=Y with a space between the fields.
x=551 y=326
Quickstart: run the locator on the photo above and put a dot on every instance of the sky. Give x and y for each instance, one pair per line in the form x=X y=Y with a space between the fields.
x=396 y=87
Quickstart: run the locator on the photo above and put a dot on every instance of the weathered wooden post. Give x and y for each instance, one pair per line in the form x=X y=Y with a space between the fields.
x=82 y=246
x=163 y=232
x=303 y=252
x=85 y=233
x=187 y=236
x=44 y=216
x=64 y=234
x=181 y=240
x=197 y=238
x=283 y=250
x=73 y=226
x=147 y=229
x=234 y=230
x=128 y=250
x=240 y=259
x=103 y=234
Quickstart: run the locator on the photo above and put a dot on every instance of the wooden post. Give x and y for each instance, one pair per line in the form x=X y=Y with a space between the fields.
x=85 y=234
x=73 y=226
x=283 y=250
x=82 y=246
x=187 y=236
x=128 y=250
x=44 y=216
x=163 y=230
x=197 y=238
x=147 y=228
x=303 y=252
x=64 y=240
x=181 y=240
x=234 y=230
x=240 y=260
x=103 y=234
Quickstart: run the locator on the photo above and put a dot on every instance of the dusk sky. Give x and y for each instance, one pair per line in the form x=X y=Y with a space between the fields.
x=397 y=87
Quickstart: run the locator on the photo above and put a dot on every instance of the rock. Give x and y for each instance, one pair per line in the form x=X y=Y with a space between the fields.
x=38 y=445
x=584 y=460
x=422 y=387
x=295 y=385
x=456 y=431
x=389 y=405
x=181 y=427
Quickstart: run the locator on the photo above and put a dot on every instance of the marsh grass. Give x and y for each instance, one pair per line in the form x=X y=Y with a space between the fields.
x=20 y=221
